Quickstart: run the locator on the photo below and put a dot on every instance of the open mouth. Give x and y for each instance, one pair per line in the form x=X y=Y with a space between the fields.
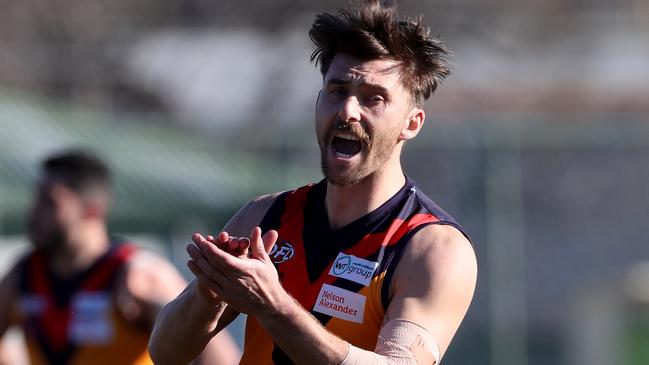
x=346 y=145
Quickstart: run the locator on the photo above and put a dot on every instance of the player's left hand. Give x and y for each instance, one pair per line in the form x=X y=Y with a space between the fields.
x=247 y=283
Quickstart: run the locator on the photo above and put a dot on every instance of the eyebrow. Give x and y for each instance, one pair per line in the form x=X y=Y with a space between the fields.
x=338 y=81
x=374 y=87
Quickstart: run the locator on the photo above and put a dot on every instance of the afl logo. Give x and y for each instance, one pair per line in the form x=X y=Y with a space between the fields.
x=282 y=251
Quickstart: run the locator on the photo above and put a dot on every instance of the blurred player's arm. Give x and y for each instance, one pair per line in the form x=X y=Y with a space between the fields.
x=150 y=283
x=8 y=288
x=186 y=325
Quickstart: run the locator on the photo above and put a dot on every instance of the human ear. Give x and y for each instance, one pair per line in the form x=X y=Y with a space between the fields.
x=95 y=207
x=413 y=125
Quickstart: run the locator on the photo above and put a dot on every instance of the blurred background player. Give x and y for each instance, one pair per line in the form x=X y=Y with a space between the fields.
x=82 y=296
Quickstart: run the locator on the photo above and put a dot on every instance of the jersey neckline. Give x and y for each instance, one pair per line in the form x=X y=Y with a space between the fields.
x=361 y=223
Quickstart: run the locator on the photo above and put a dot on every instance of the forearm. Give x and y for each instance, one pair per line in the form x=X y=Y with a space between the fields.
x=184 y=328
x=301 y=336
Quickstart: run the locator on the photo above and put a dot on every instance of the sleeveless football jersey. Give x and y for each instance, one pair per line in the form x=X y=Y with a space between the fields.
x=76 y=321
x=341 y=276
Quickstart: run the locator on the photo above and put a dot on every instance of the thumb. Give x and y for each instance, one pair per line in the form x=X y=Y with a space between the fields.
x=256 y=244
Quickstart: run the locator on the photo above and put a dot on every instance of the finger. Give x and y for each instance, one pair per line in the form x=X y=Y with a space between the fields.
x=191 y=265
x=220 y=238
x=245 y=242
x=242 y=243
x=257 y=244
x=223 y=237
x=200 y=276
x=217 y=257
x=234 y=243
x=193 y=252
x=239 y=246
x=204 y=264
x=203 y=245
x=198 y=258
x=269 y=240
x=230 y=244
x=197 y=237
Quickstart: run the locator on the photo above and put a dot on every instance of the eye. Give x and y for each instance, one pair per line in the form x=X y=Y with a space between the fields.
x=337 y=91
x=375 y=99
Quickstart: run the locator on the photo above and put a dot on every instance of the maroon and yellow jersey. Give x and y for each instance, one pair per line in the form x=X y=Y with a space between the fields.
x=341 y=276
x=76 y=321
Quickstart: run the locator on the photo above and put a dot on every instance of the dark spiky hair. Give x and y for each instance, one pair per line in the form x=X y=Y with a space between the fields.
x=373 y=31
x=80 y=170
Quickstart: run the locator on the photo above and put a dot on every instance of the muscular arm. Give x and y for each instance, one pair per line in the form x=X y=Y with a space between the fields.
x=186 y=325
x=444 y=255
x=186 y=328
x=437 y=305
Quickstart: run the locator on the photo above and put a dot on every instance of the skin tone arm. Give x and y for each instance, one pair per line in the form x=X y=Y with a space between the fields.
x=8 y=288
x=440 y=253
x=149 y=283
x=186 y=325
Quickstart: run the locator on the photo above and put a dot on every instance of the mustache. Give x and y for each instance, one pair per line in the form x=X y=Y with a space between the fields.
x=354 y=128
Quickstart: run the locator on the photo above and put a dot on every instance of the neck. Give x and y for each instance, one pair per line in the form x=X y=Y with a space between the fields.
x=345 y=204
x=85 y=246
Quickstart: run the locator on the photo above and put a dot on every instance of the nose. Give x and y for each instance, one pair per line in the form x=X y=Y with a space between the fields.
x=350 y=110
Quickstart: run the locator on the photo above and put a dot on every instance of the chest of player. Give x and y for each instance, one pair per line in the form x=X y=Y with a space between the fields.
x=86 y=318
x=329 y=284
x=341 y=272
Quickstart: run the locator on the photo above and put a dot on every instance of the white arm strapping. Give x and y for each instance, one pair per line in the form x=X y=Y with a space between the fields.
x=400 y=342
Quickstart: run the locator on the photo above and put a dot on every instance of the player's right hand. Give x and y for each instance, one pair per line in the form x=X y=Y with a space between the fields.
x=235 y=246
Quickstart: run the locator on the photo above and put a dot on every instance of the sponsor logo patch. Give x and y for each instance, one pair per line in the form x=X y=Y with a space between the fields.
x=282 y=251
x=340 y=303
x=353 y=268
x=33 y=304
x=91 y=323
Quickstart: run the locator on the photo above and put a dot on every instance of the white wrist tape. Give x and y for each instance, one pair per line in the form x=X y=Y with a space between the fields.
x=400 y=342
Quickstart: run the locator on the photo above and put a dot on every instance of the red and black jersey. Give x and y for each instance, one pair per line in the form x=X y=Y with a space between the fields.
x=341 y=276
x=75 y=320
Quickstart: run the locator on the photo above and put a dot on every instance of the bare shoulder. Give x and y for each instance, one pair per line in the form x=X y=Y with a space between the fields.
x=145 y=260
x=149 y=277
x=442 y=254
x=250 y=215
x=440 y=246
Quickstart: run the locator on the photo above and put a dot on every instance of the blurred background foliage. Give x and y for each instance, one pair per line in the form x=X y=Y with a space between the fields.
x=538 y=142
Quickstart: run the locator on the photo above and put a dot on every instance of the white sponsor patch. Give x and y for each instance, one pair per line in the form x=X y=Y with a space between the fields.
x=353 y=268
x=90 y=323
x=340 y=303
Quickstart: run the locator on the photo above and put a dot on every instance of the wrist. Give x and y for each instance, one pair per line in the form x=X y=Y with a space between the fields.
x=283 y=308
x=209 y=308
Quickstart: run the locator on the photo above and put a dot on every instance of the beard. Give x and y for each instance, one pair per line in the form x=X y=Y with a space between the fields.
x=47 y=240
x=374 y=152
